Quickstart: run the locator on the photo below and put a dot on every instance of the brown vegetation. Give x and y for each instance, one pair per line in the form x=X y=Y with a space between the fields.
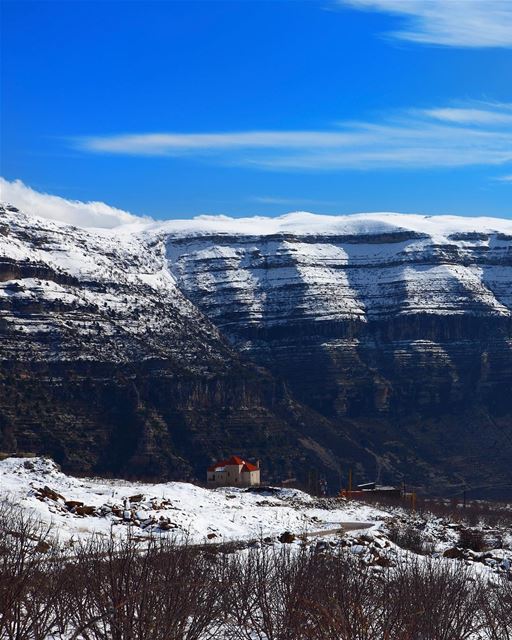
x=474 y=512
x=157 y=590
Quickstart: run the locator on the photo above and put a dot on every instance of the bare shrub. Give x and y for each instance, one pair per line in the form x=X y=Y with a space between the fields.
x=30 y=591
x=473 y=539
x=158 y=592
x=496 y=606
x=410 y=538
x=432 y=600
x=269 y=594
x=349 y=600
x=154 y=589
x=473 y=513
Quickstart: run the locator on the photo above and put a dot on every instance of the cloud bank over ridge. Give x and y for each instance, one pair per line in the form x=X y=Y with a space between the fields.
x=82 y=214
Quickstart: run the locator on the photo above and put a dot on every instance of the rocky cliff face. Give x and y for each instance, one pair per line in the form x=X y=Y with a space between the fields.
x=108 y=367
x=400 y=324
x=378 y=341
x=391 y=319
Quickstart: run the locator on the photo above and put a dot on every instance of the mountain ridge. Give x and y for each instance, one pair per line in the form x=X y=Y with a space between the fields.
x=389 y=349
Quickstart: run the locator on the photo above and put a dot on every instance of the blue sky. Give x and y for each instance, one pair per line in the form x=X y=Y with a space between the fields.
x=174 y=109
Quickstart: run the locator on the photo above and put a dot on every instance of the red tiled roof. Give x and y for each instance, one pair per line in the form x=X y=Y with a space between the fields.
x=234 y=460
x=220 y=463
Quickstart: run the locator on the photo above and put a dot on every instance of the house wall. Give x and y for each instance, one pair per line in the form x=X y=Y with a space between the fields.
x=233 y=477
x=251 y=478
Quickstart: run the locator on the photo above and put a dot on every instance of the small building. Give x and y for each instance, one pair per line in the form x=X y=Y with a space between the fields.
x=372 y=489
x=233 y=472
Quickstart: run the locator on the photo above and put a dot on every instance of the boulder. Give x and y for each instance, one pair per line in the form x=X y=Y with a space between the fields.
x=454 y=553
x=72 y=504
x=46 y=492
x=84 y=510
x=42 y=546
x=382 y=561
x=286 y=537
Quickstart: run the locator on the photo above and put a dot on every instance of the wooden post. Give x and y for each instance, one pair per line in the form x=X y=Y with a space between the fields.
x=414 y=500
x=350 y=483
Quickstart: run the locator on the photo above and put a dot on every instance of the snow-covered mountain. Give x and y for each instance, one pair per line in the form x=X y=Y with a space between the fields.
x=72 y=294
x=385 y=339
x=260 y=272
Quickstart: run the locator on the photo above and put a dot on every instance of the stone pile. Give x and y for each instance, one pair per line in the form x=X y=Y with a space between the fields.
x=134 y=511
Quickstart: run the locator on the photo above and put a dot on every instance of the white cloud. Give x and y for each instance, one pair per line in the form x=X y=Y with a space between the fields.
x=187 y=143
x=83 y=214
x=505 y=178
x=457 y=23
x=478 y=134
x=472 y=116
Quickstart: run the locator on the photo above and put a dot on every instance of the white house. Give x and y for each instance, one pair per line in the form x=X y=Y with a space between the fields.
x=233 y=472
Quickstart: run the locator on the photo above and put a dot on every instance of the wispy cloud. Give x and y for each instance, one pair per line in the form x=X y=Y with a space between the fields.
x=83 y=214
x=505 y=178
x=474 y=134
x=502 y=114
x=454 y=23
x=183 y=143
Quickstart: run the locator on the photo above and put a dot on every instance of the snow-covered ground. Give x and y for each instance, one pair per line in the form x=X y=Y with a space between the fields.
x=177 y=508
x=375 y=542
x=81 y=507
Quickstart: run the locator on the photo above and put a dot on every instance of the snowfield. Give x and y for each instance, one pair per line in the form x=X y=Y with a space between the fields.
x=304 y=223
x=186 y=510
x=78 y=508
x=263 y=270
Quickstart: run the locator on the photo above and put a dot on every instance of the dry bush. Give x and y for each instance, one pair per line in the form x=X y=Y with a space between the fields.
x=432 y=600
x=269 y=594
x=349 y=600
x=154 y=591
x=410 y=538
x=30 y=589
x=475 y=512
x=157 y=590
x=473 y=539
x=496 y=607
